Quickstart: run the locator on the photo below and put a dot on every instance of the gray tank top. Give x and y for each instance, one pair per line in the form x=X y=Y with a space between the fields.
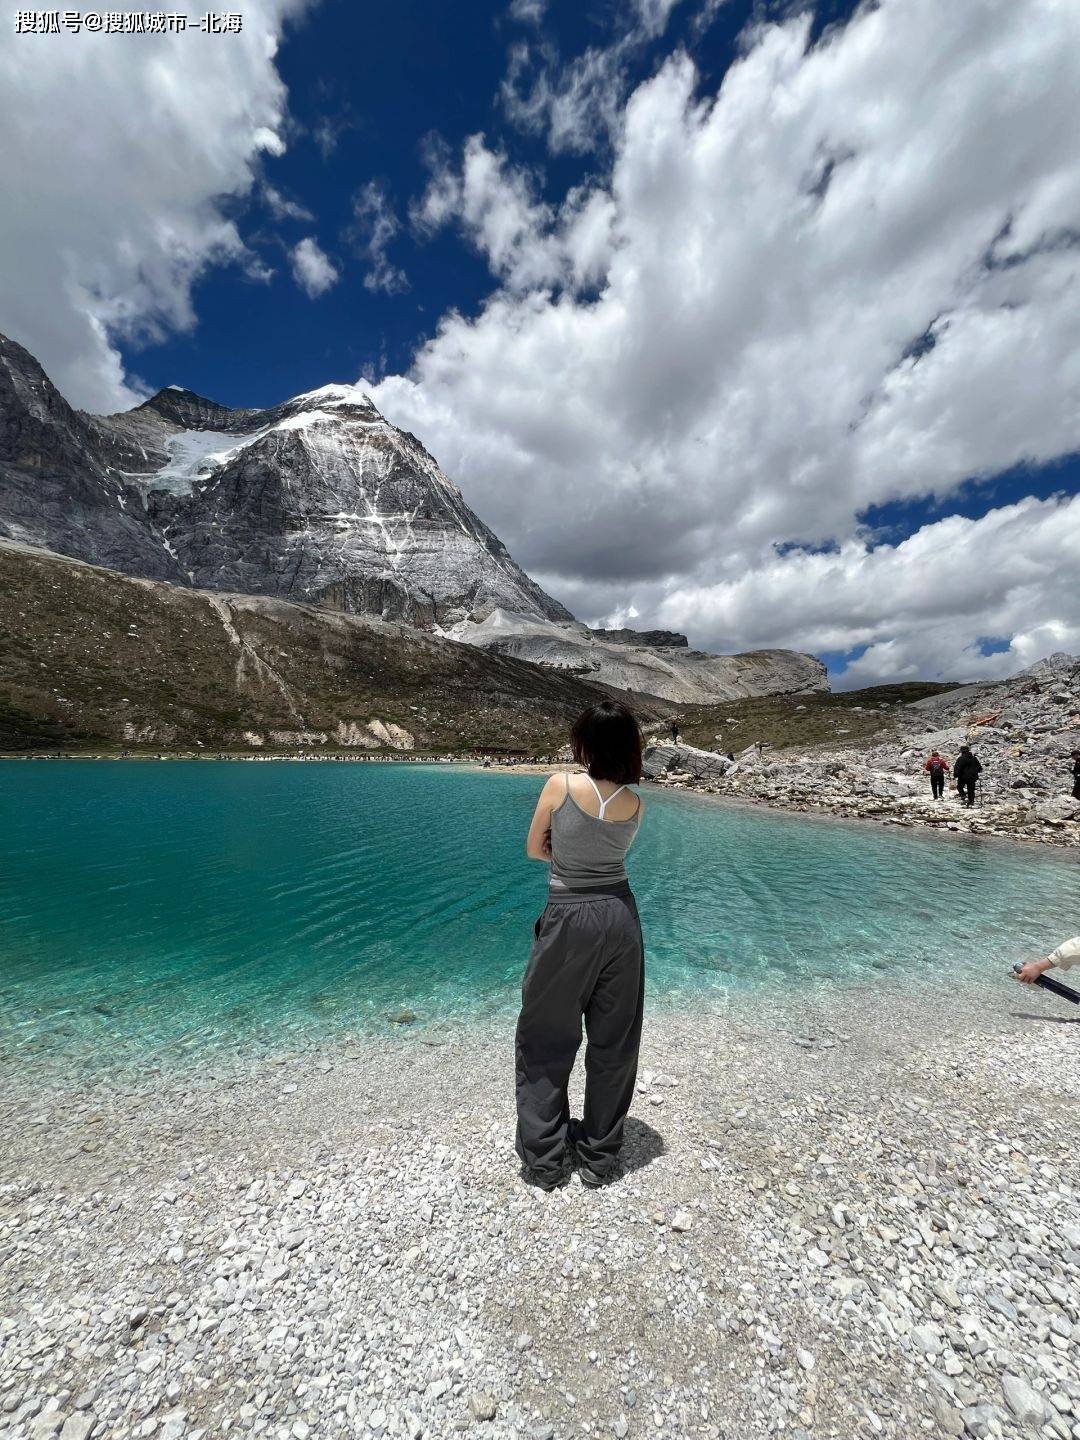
x=587 y=850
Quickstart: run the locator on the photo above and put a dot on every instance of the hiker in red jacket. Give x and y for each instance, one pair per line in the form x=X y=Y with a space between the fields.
x=937 y=766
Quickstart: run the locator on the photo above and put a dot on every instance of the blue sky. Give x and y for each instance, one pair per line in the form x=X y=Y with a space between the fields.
x=756 y=321
x=382 y=80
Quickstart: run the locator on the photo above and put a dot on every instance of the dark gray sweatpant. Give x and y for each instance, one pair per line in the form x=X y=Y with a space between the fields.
x=587 y=960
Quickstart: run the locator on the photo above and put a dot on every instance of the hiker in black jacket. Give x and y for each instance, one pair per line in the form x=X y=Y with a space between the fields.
x=966 y=773
x=1076 y=774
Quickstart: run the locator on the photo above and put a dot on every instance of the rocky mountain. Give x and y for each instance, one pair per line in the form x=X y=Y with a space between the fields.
x=317 y=499
x=654 y=638
x=95 y=659
x=655 y=662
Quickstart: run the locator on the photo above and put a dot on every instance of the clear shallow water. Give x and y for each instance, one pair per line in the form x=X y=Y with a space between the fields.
x=155 y=909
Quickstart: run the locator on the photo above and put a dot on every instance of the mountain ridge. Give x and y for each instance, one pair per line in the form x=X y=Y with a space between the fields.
x=317 y=499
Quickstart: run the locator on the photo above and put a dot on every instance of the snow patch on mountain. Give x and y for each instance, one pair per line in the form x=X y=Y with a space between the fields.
x=196 y=454
x=192 y=454
x=336 y=395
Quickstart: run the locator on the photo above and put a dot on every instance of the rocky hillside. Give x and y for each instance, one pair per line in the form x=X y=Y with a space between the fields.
x=97 y=660
x=318 y=499
x=1023 y=730
x=654 y=662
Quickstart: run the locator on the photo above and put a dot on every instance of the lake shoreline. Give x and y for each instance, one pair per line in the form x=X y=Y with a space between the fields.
x=958 y=826
x=836 y=1204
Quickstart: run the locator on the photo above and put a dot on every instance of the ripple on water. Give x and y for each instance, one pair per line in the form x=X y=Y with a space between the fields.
x=176 y=907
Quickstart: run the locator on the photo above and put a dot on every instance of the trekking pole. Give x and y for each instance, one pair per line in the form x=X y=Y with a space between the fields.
x=1066 y=992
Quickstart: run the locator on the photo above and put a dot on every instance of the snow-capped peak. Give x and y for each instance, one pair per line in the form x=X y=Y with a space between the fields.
x=328 y=396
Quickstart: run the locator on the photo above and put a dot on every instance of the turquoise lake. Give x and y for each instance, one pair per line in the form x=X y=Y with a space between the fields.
x=170 y=907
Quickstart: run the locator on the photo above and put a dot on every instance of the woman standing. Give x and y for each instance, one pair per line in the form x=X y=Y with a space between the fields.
x=587 y=958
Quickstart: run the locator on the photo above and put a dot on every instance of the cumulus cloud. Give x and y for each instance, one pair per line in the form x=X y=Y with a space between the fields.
x=312 y=268
x=374 y=226
x=119 y=149
x=847 y=278
x=920 y=608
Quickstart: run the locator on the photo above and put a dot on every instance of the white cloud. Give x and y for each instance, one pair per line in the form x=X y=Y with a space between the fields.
x=653 y=15
x=848 y=278
x=575 y=105
x=919 y=607
x=329 y=128
x=374 y=226
x=527 y=12
x=526 y=242
x=312 y=268
x=496 y=207
x=117 y=150
x=578 y=104
x=281 y=207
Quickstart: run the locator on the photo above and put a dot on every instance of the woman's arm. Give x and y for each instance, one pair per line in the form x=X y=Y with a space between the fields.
x=538 y=843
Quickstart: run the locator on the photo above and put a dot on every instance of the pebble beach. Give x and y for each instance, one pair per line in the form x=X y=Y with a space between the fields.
x=851 y=1215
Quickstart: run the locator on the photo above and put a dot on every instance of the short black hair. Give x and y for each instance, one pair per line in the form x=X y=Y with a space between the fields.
x=606 y=740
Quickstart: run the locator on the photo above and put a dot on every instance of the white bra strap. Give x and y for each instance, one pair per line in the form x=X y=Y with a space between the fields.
x=611 y=797
x=605 y=803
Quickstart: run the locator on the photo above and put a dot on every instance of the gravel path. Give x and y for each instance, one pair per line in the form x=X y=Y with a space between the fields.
x=855 y=1216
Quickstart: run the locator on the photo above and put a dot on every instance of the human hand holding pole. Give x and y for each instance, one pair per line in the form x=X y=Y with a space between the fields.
x=1030 y=972
x=1034 y=973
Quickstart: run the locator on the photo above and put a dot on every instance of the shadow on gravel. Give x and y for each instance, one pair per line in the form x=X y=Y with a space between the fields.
x=641 y=1146
x=1046 y=1019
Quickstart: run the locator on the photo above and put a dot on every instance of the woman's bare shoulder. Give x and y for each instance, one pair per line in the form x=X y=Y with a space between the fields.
x=554 y=786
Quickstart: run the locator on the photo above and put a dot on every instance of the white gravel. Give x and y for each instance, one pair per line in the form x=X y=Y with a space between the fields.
x=852 y=1216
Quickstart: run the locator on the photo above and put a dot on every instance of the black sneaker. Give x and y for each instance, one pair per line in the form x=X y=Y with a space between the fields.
x=545 y=1182
x=592 y=1179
